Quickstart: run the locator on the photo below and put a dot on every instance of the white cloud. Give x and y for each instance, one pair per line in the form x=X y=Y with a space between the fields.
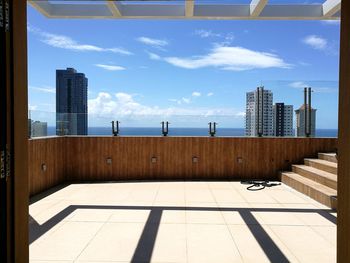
x=203 y=33
x=316 y=42
x=298 y=84
x=206 y=33
x=152 y=41
x=186 y=100
x=110 y=67
x=230 y=58
x=44 y=89
x=302 y=85
x=65 y=42
x=175 y=100
x=119 y=50
x=302 y=63
x=154 y=56
x=324 y=89
x=183 y=100
x=230 y=37
x=210 y=94
x=32 y=107
x=123 y=105
x=224 y=39
x=330 y=22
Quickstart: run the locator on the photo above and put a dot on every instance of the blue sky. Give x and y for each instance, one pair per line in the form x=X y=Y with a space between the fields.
x=144 y=71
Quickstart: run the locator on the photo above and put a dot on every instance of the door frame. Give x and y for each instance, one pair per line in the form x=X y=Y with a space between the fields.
x=17 y=111
x=14 y=132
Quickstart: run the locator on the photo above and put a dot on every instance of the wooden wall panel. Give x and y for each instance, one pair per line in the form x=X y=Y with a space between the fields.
x=85 y=158
x=217 y=157
x=52 y=153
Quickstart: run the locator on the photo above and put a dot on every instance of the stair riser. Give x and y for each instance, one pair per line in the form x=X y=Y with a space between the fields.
x=322 y=167
x=327 y=158
x=309 y=191
x=315 y=177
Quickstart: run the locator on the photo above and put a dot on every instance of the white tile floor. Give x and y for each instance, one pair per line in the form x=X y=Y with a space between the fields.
x=180 y=222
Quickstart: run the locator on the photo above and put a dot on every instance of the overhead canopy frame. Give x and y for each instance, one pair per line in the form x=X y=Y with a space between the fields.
x=188 y=9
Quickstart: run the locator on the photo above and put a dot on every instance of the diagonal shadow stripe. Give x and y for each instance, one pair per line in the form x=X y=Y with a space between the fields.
x=269 y=247
x=144 y=249
x=37 y=230
x=145 y=246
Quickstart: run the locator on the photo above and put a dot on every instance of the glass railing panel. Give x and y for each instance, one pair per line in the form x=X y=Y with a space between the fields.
x=271 y=120
x=41 y=123
x=324 y=104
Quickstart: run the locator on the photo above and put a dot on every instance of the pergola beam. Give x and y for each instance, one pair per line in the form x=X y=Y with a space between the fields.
x=42 y=6
x=331 y=7
x=189 y=8
x=113 y=7
x=256 y=10
x=257 y=6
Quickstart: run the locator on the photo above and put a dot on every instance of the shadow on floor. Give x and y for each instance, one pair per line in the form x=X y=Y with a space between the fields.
x=147 y=239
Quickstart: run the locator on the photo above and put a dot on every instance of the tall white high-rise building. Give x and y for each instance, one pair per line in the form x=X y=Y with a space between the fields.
x=300 y=122
x=259 y=113
x=282 y=119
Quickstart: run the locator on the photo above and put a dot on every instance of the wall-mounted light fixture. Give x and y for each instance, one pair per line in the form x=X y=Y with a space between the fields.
x=43 y=167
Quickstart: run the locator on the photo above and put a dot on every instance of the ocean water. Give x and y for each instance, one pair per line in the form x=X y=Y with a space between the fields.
x=227 y=132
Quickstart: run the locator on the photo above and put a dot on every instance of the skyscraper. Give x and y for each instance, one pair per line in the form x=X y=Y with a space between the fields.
x=259 y=113
x=300 y=122
x=282 y=119
x=71 y=102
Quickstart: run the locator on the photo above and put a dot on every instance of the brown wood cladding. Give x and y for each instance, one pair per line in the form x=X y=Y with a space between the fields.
x=85 y=158
x=52 y=153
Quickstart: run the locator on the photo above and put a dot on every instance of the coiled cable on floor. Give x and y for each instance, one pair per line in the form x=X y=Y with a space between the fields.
x=258 y=185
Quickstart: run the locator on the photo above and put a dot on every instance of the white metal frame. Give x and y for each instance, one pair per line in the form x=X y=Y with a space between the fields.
x=187 y=9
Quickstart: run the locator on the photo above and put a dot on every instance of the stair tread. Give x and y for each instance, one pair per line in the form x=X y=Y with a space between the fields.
x=331 y=157
x=324 y=162
x=329 y=154
x=319 y=172
x=317 y=186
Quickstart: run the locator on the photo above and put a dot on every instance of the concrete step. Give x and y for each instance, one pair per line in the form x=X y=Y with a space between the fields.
x=323 y=194
x=319 y=176
x=323 y=165
x=330 y=157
